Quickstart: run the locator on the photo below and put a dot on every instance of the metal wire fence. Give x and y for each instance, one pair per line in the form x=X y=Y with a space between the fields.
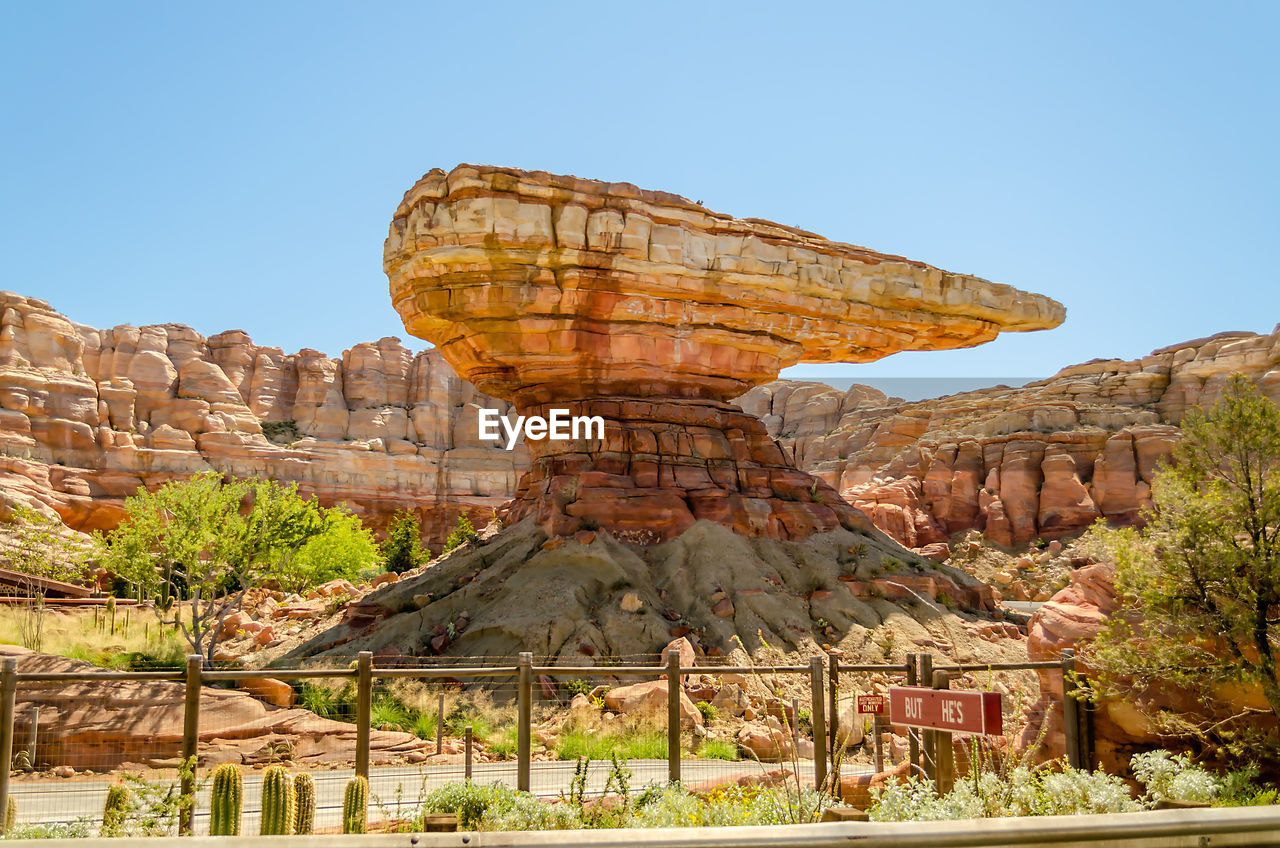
x=410 y=725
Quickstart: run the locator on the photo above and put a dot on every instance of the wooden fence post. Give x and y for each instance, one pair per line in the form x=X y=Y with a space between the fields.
x=440 y=724
x=833 y=719
x=913 y=735
x=8 y=694
x=1070 y=709
x=190 y=745
x=364 y=710
x=33 y=737
x=928 y=738
x=673 y=716
x=524 y=719
x=944 y=757
x=818 y=718
x=466 y=744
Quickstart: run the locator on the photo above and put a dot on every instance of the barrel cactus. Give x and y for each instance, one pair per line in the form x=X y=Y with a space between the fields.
x=278 y=808
x=355 y=806
x=304 y=796
x=116 y=812
x=224 y=808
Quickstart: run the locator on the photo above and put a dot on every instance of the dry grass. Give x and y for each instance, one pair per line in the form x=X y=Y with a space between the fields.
x=86 y=634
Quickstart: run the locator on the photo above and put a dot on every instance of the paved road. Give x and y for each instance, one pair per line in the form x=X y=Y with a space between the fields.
x=390 y=787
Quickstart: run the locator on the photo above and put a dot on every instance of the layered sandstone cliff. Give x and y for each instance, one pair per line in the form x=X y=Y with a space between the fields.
x=1038 y=462
x=87 y=416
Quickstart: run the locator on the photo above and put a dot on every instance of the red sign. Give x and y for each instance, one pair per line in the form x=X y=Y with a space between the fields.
x=944 y=709
x=871 y=704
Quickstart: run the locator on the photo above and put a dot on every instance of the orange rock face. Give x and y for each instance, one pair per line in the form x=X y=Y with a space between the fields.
x=87 y=416
x=1042 y=461
x=653 y=312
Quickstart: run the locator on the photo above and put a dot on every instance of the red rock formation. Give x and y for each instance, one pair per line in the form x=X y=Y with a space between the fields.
x=652 y=312
x=87 y=416
x=1041 y=461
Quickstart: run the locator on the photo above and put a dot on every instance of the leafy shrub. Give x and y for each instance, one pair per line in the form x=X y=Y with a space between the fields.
x=578 y=686
x=325 y=701
x=1174 y=777
x=402 y=548
x=281 y=432
x=708 y=710
x=462 y=534
x=525 y=812
x=673 y=806
x=78 y=829
x=387 y=712
x=986 y=794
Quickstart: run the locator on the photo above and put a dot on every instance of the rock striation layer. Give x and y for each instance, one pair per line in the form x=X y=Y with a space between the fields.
x=87 y=416
x=652 y=312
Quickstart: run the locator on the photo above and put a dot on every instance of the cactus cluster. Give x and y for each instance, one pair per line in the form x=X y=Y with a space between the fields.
x=304 y=796
x=279 y=810
x=116 y=812
x=224 y=808
x=355 y=806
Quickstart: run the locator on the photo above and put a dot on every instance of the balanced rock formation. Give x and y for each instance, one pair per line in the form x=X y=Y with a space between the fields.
x=87 y=416
x=1039 y=462
x=651 y=312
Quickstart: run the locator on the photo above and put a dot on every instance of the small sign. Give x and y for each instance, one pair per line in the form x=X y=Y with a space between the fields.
x=871 y=704
x=944 y=709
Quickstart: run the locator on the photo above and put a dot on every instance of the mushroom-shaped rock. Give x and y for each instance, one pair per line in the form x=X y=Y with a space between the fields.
x=652 y=312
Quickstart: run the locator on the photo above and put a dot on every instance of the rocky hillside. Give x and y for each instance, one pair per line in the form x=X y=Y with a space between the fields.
x=1038 y=462
x=87 y=416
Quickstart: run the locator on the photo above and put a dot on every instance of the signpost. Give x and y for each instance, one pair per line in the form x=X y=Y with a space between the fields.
x=871 y=704
x=874 y=705
x=946 y=709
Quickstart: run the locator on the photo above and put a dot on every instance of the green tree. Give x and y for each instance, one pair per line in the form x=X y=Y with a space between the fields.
x=41 y=546
x=1199 y=586
x=402 y=548
x=461 y=534
x=344 y=550
x=194 y=546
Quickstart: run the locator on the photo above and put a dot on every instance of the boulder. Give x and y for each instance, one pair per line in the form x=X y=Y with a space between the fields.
x=767 y=744
x=651 y=697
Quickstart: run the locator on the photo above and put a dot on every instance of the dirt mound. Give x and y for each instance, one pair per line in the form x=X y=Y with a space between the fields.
x=593 y=596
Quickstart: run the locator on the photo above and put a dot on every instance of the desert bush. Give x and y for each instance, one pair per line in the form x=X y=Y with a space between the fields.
x=467 y=800
x=78 y=829
x=673 y=806
x=1169 y=776
x=1022 y=792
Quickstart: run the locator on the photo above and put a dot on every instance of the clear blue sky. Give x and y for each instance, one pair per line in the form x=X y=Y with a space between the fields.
x=235 y=165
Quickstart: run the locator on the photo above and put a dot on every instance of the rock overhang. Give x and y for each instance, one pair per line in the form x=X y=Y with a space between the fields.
x=550 y=287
